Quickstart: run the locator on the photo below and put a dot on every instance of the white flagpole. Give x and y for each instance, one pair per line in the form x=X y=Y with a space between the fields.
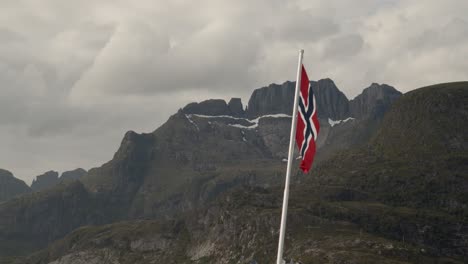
x=279 y=259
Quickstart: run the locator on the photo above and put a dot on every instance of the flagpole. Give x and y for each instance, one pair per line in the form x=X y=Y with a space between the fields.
x=279 y=258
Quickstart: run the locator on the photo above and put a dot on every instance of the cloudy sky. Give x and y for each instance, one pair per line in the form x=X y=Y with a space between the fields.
x=76 y=75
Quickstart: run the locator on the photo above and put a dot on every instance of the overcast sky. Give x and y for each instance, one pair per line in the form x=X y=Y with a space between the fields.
x=76 y=75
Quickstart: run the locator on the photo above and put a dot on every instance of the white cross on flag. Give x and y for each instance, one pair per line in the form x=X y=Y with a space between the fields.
x=307 y=123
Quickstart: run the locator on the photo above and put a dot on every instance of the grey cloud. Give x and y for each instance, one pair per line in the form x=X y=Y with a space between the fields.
x=342 y=47
x=74 y=76
x=8 y=37
x=452 y=33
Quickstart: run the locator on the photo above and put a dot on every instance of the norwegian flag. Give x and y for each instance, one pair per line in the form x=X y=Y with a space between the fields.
x=307 y=123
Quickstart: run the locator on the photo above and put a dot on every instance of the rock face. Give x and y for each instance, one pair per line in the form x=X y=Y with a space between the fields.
x=236 y=108
x=35 y=219
x=273 y=99
x=44 y=181
x=216 y=107
x=73 y=174
x=331 y=102
x=11 y=186
x=374 y=101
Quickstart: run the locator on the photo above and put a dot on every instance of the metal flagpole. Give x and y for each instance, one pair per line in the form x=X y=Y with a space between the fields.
x=279 y=259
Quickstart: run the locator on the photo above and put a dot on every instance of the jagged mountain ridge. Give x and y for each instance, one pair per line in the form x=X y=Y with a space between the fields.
x=200 y=143
x=190 y=160
x=44 y=181
x=50 y=179
x=353 y=211
x=73 y=174
x=278 y=99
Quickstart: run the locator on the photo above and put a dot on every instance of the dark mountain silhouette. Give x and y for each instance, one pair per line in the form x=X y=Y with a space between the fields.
x=73 y=174
x=45 y=181
x=11 y=186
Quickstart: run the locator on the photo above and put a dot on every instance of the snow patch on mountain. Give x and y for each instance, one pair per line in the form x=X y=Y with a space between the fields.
x=337 y=122
x=254 y=122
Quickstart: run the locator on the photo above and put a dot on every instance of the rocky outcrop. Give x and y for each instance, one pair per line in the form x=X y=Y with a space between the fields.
x=331 y=102
x=235 y=107
x=212 y=107
x=45 y=181
x=216 y=107
x=374 y=101
x=11 y=186
x=273 y=99
x=73 y=174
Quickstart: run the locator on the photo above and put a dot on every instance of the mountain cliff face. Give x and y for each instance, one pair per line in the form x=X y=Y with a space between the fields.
x=184 y=162
x=331 y=102
x=32 y=220
x=386 y=202
x=215 y=107
x=72 y=175
x=374 y=101
x=273 y=99
x=44 y=181
x=11 y=186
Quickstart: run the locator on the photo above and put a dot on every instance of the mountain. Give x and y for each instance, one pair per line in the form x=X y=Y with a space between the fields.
x=44 y=181
x=193 y=164
x=11 y=186
x=216 y=107
x=210 y=147
x=272 y=99
x=201 y=152
x=400 y=198
x=331 y=102
x=51 y=178
x=239 y=228
x=73 y=174
x=374 y=101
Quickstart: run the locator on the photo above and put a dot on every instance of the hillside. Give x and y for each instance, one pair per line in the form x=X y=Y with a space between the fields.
x=420 y=152
x=401 y=198
x=11 y=186
x=241 y=227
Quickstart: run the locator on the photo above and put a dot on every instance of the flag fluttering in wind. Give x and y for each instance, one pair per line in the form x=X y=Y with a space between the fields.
x=305 y=128
x=307 y=123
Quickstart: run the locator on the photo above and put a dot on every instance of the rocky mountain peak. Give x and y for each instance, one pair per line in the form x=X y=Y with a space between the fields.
x=276 y=99
x=207 y=107
x=272 y=99
x=331 y=102
x=45 y=180
x=374 y=101
x=133 y=145
x=73 y=174
x=236 y=108
x=216 y=107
